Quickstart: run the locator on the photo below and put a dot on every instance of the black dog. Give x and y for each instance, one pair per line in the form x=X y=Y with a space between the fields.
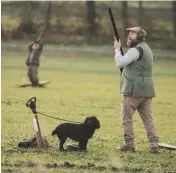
x=77 y=132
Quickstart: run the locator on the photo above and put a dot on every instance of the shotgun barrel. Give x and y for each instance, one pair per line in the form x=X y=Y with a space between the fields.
x=41 y=34
x=115 y=32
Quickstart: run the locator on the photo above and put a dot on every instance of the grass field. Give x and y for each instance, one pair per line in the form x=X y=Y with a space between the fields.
x=82 y=86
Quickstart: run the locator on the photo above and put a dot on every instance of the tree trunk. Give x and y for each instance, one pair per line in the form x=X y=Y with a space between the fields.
x=91 y=15
x=2 y=32
x=124 y=14
x=140 y=13
x=26 y=24
x=49 y=13
x=174 y=18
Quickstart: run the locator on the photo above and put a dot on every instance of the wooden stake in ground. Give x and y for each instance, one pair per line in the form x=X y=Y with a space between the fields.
x=38 y=132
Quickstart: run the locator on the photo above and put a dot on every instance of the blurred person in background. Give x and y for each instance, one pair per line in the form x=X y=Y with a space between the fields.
x=33 y=62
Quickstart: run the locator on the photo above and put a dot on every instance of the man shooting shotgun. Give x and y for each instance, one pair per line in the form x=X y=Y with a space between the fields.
x=136 y=86
x=33 y=61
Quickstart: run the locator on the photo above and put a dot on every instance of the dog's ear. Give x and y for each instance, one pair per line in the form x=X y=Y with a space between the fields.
x=93 y=121
x=86 y=120
x=96 y=122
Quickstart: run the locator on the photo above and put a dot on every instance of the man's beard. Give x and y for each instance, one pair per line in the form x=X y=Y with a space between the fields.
x=131 y=43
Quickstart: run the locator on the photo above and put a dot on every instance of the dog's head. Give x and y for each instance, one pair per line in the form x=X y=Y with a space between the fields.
x=93 y=121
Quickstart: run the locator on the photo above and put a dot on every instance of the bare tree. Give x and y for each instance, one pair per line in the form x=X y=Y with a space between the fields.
x=27 y=22
x=49 y=13
x=174 y=18
x=2 y=32
x=140 y=13
x=124 y=14
x=91 y=15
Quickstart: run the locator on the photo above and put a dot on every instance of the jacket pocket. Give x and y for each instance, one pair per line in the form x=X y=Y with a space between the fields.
x=144 y=87
x=126 y=86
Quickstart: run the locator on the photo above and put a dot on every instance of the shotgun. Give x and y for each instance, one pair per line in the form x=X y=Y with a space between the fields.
x=41 y=34
x=115 y=32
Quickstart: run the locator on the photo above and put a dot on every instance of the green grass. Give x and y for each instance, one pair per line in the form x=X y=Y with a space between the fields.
x=82 y=86
x=105 y=50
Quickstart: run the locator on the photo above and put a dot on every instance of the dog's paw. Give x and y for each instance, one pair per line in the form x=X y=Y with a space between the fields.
x=62 y=150
x=72 y=148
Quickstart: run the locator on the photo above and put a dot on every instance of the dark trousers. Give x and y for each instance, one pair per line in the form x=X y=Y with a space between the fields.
x=33 y=74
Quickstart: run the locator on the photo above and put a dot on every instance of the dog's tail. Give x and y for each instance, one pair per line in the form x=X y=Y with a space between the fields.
x=54 y=132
